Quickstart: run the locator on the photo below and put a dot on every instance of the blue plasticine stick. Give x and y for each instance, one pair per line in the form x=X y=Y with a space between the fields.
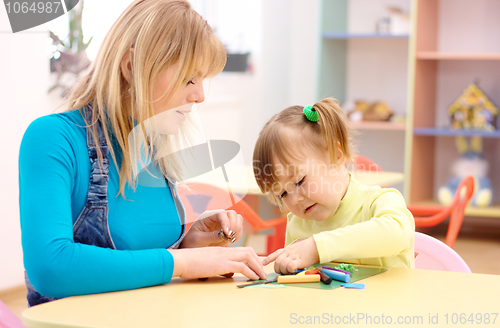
x=337 y=275
x=356 y=286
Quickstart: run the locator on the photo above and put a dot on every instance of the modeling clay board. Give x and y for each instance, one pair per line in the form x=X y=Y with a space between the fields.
x=362 y=273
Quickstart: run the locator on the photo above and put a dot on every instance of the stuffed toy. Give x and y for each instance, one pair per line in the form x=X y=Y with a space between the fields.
x=470 y=162
x=364 y=111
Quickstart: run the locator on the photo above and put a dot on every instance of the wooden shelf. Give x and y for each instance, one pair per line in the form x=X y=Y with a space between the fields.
x=435 y=55
x=347 y=35
x=384 y=126
x=447 y=52
x=453 y=132
x=488 y=212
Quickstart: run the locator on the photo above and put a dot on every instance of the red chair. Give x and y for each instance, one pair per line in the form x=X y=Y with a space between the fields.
x=365 y=164
x=429 y=216
x=203 y=197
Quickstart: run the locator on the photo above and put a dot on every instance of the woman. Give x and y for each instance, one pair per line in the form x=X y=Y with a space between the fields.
x=88 y=226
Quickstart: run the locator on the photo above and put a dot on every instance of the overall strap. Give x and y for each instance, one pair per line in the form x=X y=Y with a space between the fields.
x=98 y=187
x=92 y=228
x=180 y=210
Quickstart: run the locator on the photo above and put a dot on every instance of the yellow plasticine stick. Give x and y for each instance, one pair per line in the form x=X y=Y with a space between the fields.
x=298 y=279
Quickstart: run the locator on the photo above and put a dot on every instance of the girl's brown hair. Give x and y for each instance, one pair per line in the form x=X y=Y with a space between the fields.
x=290 y=130
x=160 y=33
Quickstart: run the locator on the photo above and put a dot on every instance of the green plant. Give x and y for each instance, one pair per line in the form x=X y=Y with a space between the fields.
x=69 y=58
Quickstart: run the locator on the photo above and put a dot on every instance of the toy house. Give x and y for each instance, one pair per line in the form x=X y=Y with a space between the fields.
x=473 y=110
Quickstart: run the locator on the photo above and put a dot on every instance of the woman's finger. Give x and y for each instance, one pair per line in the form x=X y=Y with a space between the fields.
x=208 y=214
x=246 y=271
x=235 y=224
x=218 y=238
x=223 y=218
x=248 y=256
x=236 y=227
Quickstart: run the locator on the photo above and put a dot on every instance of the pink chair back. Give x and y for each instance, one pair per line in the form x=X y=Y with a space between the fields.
x=9 y=319
x=433 y=254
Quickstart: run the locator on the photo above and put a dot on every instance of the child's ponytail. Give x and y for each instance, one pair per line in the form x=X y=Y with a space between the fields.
x=333 y=127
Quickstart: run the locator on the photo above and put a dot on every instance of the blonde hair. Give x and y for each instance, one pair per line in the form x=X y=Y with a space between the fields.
x=278 y=140
x=161 y=33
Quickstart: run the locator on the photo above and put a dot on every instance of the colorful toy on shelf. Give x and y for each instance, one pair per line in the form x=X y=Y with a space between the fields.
x=473 y=110
x=470 y=162
x=364 y=111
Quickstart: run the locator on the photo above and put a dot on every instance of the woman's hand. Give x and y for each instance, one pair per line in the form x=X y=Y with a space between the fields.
x=212 y=261
x=206 y=230
x=295 y=256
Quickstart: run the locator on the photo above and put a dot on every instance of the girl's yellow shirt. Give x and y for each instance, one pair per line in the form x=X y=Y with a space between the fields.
x=372 y=226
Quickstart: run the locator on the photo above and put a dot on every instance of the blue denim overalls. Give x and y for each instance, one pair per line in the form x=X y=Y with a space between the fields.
x=91 y=227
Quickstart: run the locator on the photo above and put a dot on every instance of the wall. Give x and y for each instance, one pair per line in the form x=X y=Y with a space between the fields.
x=24 y=80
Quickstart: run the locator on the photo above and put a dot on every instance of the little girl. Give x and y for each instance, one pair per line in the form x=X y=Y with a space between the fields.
x=300 y=162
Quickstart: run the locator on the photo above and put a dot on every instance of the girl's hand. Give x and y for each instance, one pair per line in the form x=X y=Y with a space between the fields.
x=205 y=231
x=212 y=261
x=296 y=256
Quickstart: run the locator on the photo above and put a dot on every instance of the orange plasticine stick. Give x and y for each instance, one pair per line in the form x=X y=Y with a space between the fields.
x=298 y=279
